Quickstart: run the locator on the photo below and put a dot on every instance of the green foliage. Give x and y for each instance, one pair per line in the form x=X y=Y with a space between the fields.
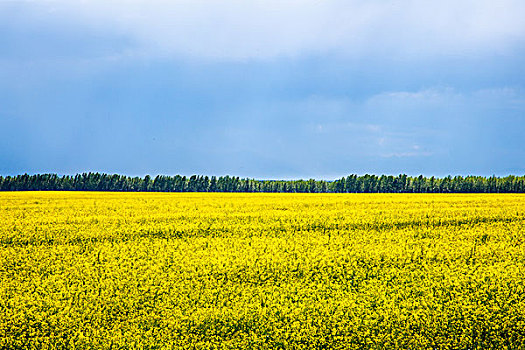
x=350 y=184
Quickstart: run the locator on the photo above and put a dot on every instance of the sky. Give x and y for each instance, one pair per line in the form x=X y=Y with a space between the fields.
x=268 y=89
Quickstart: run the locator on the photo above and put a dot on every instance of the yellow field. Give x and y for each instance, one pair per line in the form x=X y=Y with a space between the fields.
x=157 y=270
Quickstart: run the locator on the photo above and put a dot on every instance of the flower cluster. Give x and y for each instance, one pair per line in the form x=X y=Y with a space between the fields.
x=261 y=271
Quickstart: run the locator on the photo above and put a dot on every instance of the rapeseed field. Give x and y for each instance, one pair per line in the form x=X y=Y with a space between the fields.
x=86 y=270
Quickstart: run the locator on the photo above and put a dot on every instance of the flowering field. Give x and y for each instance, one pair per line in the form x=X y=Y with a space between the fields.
x=241 y=271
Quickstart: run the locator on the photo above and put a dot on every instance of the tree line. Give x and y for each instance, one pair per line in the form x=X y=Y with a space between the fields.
x=349 y=184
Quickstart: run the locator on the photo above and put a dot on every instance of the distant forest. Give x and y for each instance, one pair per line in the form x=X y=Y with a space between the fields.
x=195 y=183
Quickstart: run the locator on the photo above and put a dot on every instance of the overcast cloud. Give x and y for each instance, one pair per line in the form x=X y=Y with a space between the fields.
x=265 y=29
x=279 y=89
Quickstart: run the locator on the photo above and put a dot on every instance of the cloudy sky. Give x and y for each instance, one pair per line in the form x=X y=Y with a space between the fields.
x=263 y=89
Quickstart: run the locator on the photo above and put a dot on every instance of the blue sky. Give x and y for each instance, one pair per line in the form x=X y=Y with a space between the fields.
x=263 y=89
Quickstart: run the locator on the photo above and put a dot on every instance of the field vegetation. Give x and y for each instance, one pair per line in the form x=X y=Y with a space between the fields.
x=261 y=271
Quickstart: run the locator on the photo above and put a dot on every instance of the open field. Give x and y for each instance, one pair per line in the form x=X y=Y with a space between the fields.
x=211 y=270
